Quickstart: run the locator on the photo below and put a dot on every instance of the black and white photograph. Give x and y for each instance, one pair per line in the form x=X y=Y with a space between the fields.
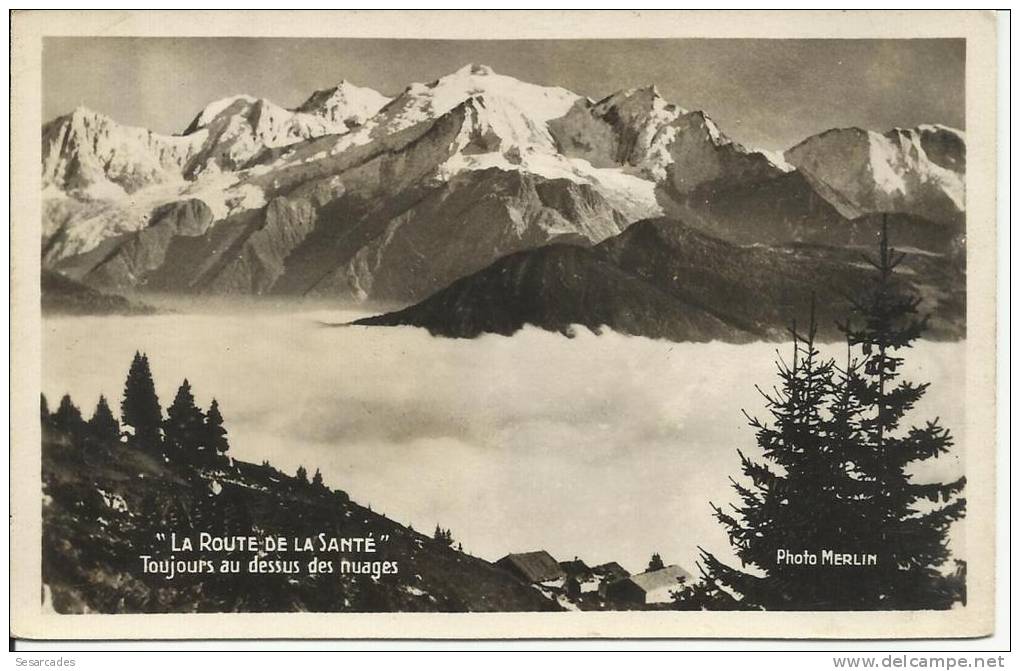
x=565 y=326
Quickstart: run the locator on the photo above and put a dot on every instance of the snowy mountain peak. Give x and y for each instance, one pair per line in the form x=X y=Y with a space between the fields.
x=708 y=130
x=345 y=103
x=711 y=129
x=86 y=120
x=530 y=163
x=639 y=101
x=90 y=154
x=216 y=108
x=524 y=107
x=630 y=127
x=915 y=170
x=235 y=130
x=81 y=112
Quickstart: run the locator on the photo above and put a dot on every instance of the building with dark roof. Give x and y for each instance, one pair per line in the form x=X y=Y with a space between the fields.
x=610 y=571
x=538 y=566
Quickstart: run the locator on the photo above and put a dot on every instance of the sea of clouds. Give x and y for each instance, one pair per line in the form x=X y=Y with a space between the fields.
x=605 y=447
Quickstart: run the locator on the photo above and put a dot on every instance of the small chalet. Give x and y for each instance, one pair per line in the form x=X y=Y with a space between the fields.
x=648 y=587
x=610 y=571
x=533 y=567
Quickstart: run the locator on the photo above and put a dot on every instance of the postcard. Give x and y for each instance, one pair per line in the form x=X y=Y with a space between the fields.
x=503 y=324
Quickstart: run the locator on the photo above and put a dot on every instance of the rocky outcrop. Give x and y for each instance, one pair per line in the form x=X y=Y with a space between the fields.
x=488 y=213
x=129 y=264
x=629 y=128
x=704 y=160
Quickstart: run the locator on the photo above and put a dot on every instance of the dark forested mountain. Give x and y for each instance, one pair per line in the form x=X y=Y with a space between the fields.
x=664 y=279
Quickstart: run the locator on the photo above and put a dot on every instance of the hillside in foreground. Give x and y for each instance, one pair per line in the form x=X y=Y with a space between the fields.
x=103 y=505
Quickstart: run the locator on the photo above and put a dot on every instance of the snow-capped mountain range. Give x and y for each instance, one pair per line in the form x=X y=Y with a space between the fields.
x=358 y=196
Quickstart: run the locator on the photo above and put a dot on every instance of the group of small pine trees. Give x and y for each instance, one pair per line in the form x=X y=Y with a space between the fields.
x=835 y=475
x=187 y=433
x=302 y=476
x=444 y=536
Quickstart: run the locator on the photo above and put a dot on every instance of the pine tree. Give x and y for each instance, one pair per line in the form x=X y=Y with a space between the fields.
x=704 y=594
x=656 y=563
x=44 y=411
x=905 y=523
x=317 y=478
x=444 y=536
x=834 y=478
x=104 y=427
x=140 y=407
x=68 y=417
x=215 y=434
x=302 y=474
x=184 y=428
x=791 y=498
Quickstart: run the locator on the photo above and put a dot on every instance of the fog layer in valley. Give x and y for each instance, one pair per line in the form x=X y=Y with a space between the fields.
x=606 y=447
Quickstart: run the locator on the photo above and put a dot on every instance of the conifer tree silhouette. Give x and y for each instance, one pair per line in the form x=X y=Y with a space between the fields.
x=140 y=407
x=103 y=426
x=184 y=428
x=834 y=476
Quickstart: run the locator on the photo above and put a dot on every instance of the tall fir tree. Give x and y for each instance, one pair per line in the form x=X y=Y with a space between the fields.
x=44 y=410
x=791 y=499
x=184 y=429
x=140 y=408
x=835 y=478
x=904 y=522
x=103 y=426
x=317 y=479
x=215 y=433
x=302 y=474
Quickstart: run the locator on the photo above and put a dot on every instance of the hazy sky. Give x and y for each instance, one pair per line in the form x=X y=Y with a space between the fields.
x=767 y=93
